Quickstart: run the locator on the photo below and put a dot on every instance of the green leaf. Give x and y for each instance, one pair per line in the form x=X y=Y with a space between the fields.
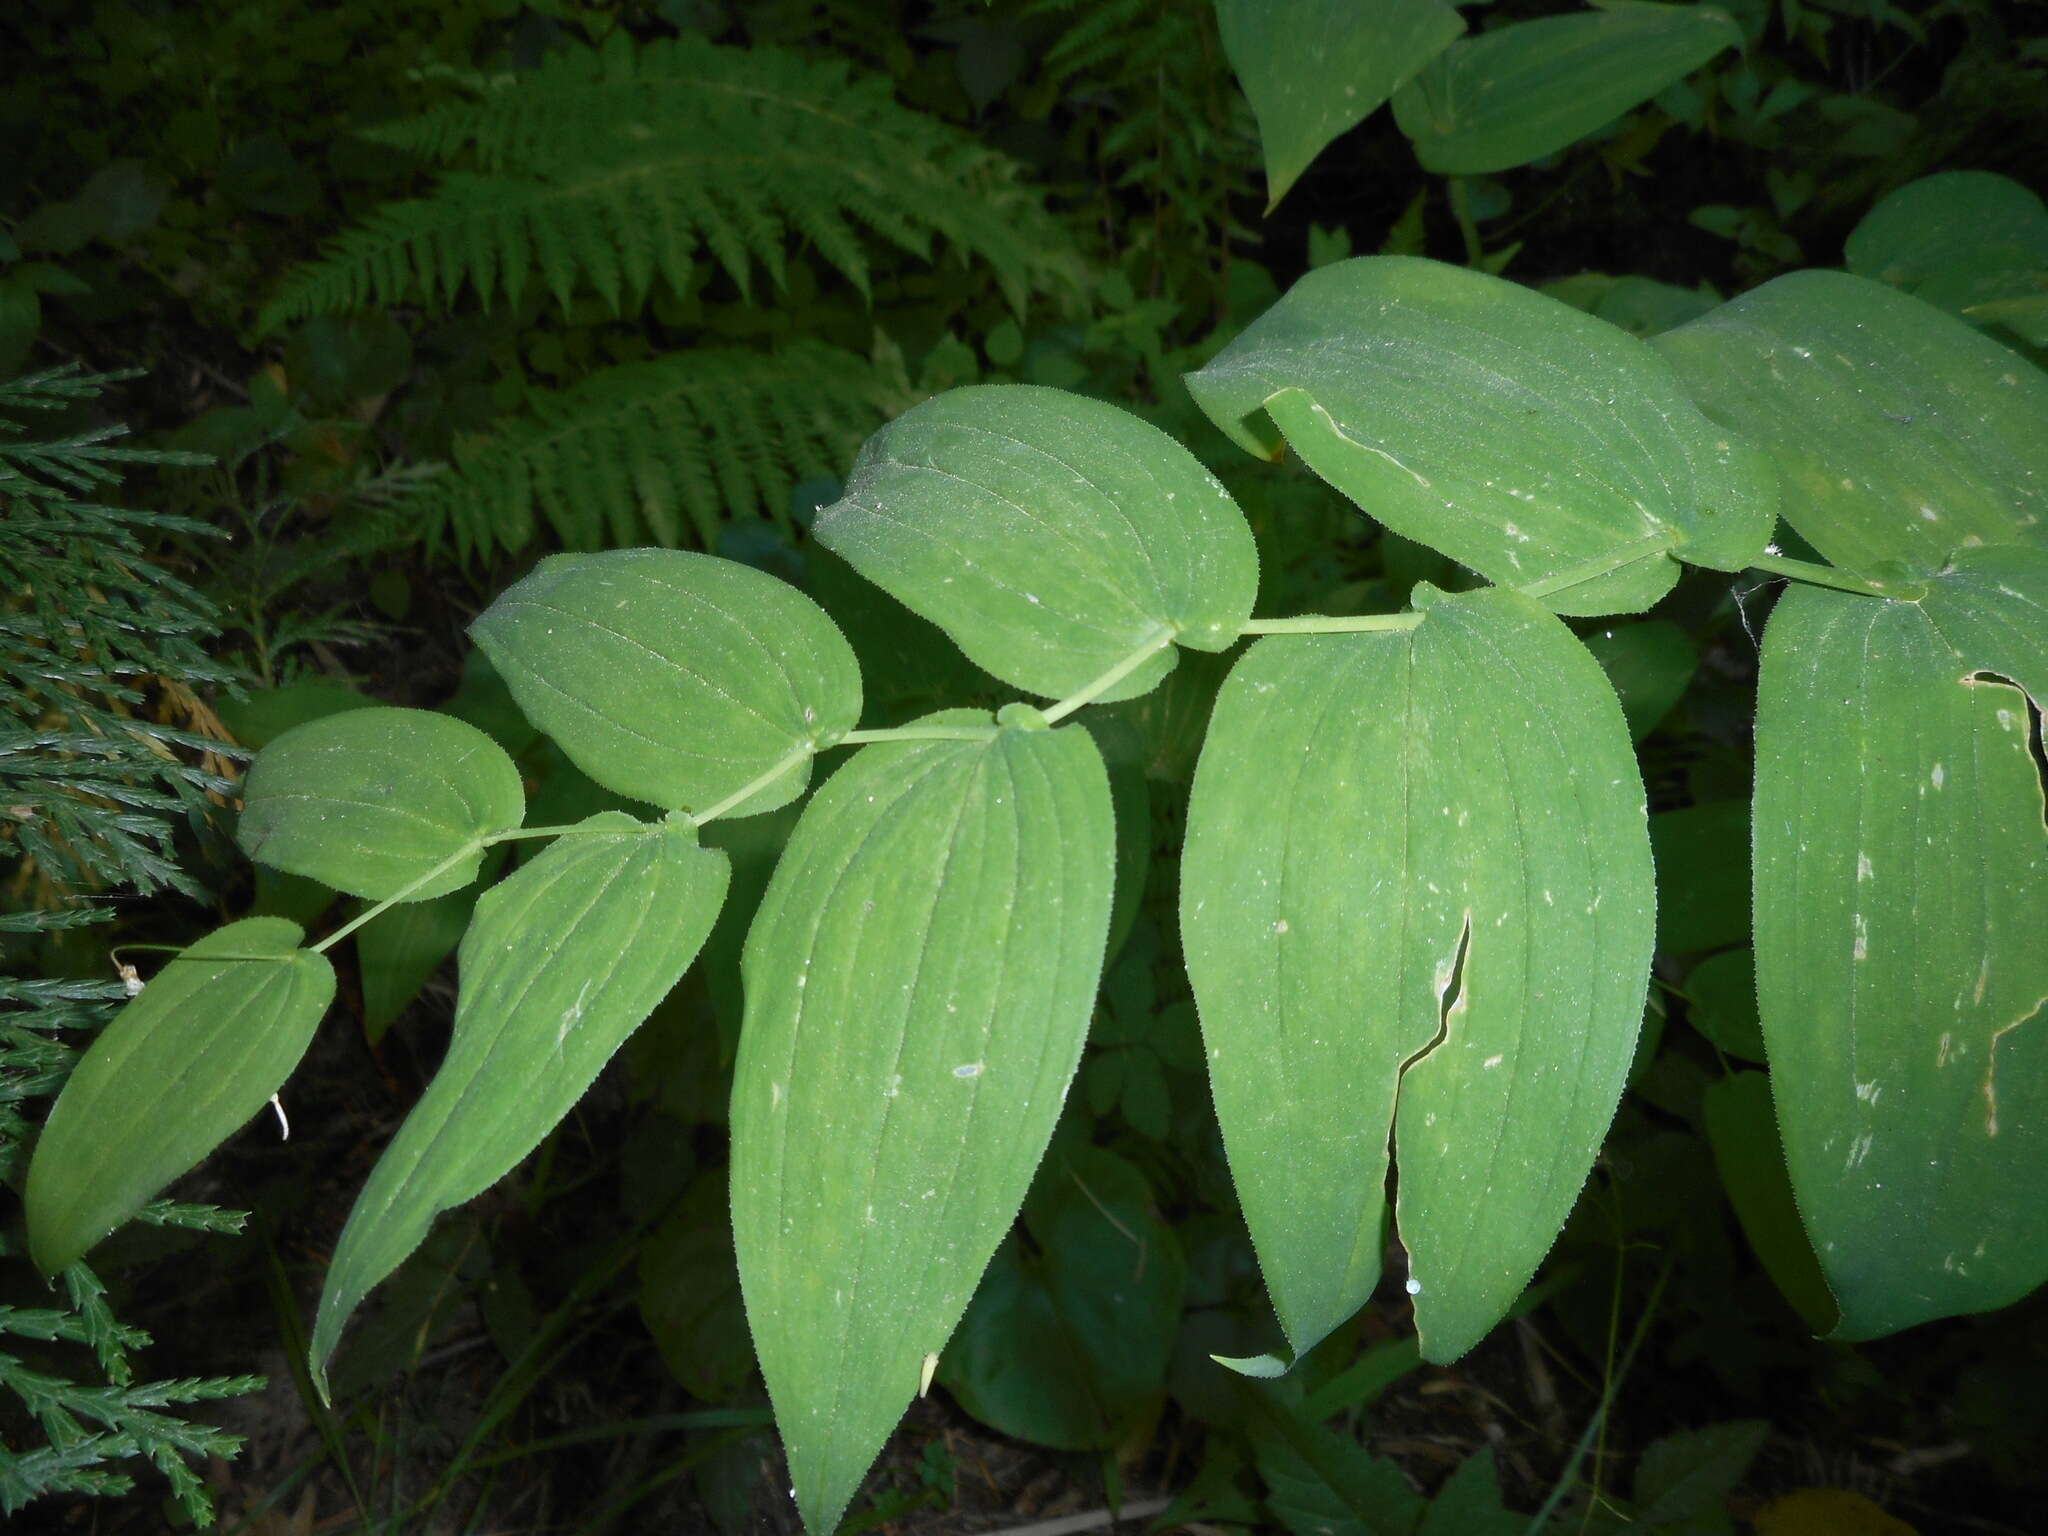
x=1702 y=854
x=1968 y=242
x=1649 y=664
x=1416 y=868
x=1506 y=429
x=1314 y=69
x=1901 y=895
x=1067 y=1340
x=1691 y=1473
x=1743 y=1131
x=267 y=713
x=561 y=963
x=399 y=950
x=1469 y=1502
x=1903 y=434
x=371 y=800
x=1050 y=535
x=1519 y=92
x=179 y=1070
x=919 y=979
x=674 y=678
x=690 y=1295
x=1721 y=1000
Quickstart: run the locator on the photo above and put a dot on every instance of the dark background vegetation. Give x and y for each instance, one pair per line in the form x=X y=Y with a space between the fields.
x=567 y=1353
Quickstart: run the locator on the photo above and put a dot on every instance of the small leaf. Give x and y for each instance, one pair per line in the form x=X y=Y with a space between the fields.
x=373 y=799
x=1506 y=429
x=181 y=1068
x=1963 y=241
x=1690 y=1474
x=1721 y=1002
x=1469 y=1502
x=1052 y=536
x=1649 y=664
x=561 y=963
x=671 y=677
x=1416 y=864
x=1901 y=894
x=267 y=713
x=1104 y=1275
x=1903 y=434
x=1743 y=1131
x=1305 y=93
x=919 y=979
x=399 y=950
x=1516 y=93
x=1702 y=854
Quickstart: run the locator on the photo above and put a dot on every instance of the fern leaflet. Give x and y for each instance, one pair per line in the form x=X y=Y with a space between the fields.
x=655 y=450
x=604 y=168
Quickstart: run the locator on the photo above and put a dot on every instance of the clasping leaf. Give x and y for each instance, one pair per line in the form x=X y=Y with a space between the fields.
x=1505 y=428
x=371 y=800
x=1052 y=536
x=182 y=1067
x=674 y=678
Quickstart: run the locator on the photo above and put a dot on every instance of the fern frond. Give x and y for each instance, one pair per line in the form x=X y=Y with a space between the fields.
x=663 y=451
x=604 y=167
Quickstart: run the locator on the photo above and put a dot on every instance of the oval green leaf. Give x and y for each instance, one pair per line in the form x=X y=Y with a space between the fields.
x=372 y=800
x=1417 y=889
x=1519 y=92
x=561 y=963
x=181 y=1067
x=674 y=678
x=1901 y=897
x=919 y=979
x=1903 y=434
x=1052 y=536
x=1512 y=432
x=1971 y=242
x=1314 y=69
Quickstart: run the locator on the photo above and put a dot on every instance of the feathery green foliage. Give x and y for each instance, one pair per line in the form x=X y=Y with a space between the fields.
x=95 y=643
x=89 y=773
x=604 y=168
x=628 y=454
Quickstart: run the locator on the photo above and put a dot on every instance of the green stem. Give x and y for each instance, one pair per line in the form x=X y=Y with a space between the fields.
x=752 y=787
x=1841 y=581
x=1602 y=565
x=453 y=859
x=918 y=733
x=1116 y=674
x=1461 y=210
x=1323 y=624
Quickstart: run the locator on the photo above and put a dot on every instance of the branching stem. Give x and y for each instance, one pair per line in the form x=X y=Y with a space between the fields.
x=1841 y=581
x=1602 y=565
x=1116 y=674
x=516 y=834
x=796 y=754
x=918 y=733
x=1324 y=624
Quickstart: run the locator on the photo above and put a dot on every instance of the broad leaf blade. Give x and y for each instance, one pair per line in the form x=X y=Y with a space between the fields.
x=561 y=963
x=1504 y=428
x=1901 y=895
x=180 y=1069
x=1520 y=92
x=1314 y=69
x=1050 y=535
x=1903 y=434
x=1971 y=242
x=919 y=979
x=370 y=800
x=1106 y=1281
x=1385 y=826
x=671 y=677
